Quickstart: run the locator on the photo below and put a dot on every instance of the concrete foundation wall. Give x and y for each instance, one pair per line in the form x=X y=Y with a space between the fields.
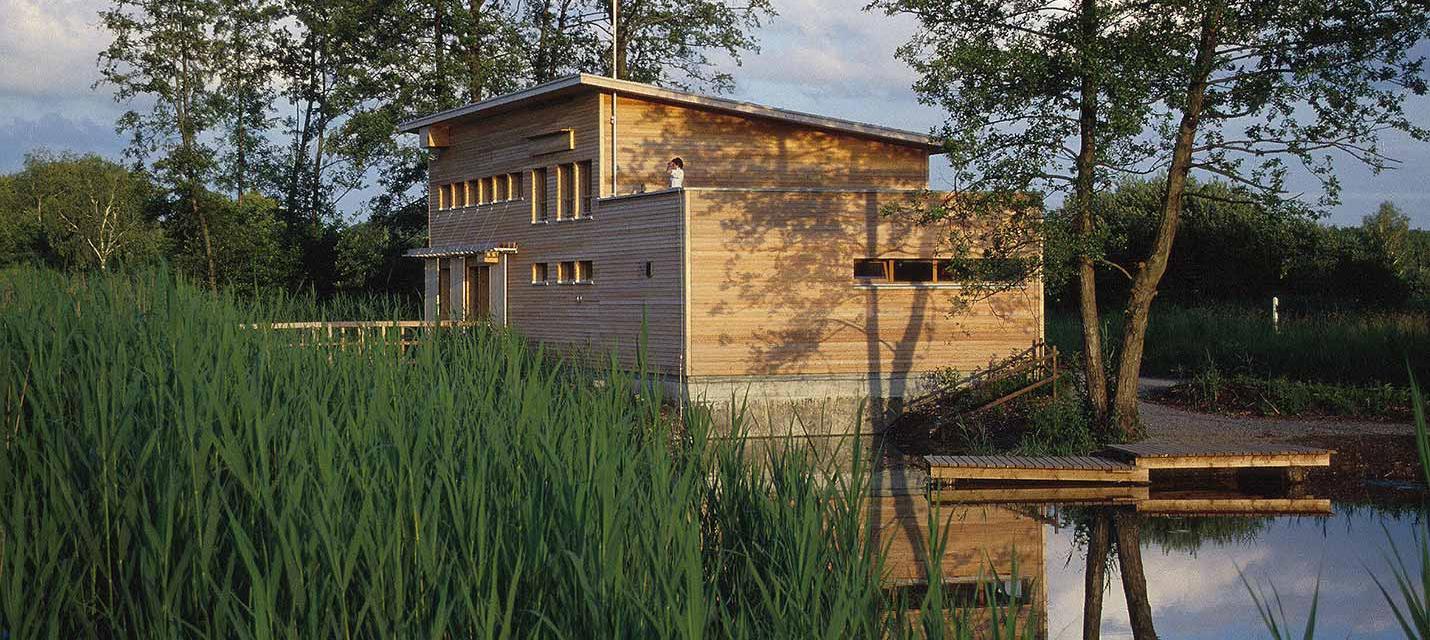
x=801 y=405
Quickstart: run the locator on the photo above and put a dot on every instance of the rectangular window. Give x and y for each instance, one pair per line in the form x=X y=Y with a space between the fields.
x=513 y=185
x=585 y=204
x=539 y=273
x=459 y=194
x=566 y=272
x=474 y=192
x=539 y=212
x=488 y=191
x=444 y=196
x=899 y=270
x=584 y=272
x=565 y=191
x=499 y=189
x=872 y=269
x=913 y=271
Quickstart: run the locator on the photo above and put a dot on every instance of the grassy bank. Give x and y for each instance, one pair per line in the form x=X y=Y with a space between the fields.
x=1211 y=391
x=167 y=473
x=1355 y=348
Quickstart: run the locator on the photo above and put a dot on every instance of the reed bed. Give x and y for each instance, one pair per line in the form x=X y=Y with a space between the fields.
x=169 y=473
x=1343 y=347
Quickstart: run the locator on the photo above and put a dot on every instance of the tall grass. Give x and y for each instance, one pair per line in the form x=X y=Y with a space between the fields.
x=1410 y=599
x=1354 y=347
x=167 y=473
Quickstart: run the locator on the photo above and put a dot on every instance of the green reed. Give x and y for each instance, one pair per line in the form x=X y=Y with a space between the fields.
x=167 y=472
x=1343 y=347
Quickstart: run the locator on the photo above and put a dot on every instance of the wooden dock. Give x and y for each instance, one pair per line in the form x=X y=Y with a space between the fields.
x=1239 y=505
x=1168 y=455
x=1034 y=468
x=1138 y=498
x=1089 y=495
x=1124 y=464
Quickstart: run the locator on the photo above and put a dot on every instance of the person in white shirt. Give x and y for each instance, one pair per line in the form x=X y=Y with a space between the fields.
x=676 y=167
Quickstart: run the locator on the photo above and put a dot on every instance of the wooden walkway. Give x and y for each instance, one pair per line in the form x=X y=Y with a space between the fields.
x=1168 y=455
x=1034 y=468
x=1130 y=463
x=1093 y=495
x=1139 y=498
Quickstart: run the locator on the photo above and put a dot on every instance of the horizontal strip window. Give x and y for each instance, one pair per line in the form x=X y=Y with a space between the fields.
x=479 y=191
x=564 y=272
x=936 y=271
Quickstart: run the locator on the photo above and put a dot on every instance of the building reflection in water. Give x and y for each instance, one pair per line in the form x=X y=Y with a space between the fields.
x=995 y=542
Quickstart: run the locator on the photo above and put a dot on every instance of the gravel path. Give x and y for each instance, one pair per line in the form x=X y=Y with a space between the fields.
x=1170 y=423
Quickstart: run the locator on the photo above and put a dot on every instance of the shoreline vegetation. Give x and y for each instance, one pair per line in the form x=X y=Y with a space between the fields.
x=170 y=473
x=1230 y=359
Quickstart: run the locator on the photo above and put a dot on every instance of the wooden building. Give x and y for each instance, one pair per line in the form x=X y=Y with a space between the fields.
x=1002 y=547
x=773 y=271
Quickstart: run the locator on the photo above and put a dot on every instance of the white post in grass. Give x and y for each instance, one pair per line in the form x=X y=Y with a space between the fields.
x=1275 y=314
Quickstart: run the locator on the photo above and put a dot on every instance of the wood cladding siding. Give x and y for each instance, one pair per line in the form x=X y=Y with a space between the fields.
x=501 y=143
x=772 y=291
x=984 y=543
x=729 y=151
x=618 y=239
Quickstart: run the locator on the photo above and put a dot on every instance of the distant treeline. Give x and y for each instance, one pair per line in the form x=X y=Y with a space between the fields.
x=1229 y=251
x=255 y=125
x=84 y=212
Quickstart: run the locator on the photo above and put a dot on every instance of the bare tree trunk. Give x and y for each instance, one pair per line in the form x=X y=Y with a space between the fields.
x=204 y=231
x=186 y=135
x=630 y=14
x=1087 y=278
x=439 y=45
x=1098 y=541
x=1134 y=576
x=474 y=51
x=1149 y=274
x=540 y=65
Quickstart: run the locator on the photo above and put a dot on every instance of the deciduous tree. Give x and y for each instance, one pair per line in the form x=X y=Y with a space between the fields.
x=91 y=210
x=1046 y=97
x=163 y=52
x=1043 y=94
x=1255 y=85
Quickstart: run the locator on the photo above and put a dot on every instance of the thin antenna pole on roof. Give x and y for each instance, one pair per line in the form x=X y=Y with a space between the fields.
x=615 y=39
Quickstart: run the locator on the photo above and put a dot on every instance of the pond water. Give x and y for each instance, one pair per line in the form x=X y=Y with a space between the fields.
x=1190 y=562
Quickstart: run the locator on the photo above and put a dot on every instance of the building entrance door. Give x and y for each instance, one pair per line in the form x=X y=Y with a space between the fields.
x=479 y=292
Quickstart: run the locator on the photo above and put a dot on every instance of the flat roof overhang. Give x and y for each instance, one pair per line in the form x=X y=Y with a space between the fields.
x=452 y=251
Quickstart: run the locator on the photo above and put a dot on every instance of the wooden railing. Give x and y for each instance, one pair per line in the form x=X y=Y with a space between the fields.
x=344 y=333
x=1038 y=363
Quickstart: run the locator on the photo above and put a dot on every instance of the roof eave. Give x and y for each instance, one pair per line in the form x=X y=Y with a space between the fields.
x=928 y=143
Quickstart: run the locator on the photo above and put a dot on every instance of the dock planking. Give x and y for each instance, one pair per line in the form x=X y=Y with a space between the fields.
x=1139 y=498
x=1096 y=495
x=1128 y=463
x=1234 y=506
x=1034 y=468
x=1178 y=455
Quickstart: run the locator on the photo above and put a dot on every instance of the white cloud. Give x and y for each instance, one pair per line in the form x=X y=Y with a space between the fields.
x=49 y=48
x=832 y=48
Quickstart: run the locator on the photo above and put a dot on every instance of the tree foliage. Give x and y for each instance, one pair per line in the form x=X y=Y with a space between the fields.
x=1044 y=95
x=1234 y=252
x=297 y=102
x=77 y=211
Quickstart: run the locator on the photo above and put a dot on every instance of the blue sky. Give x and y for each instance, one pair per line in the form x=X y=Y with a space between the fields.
x=822 y=56
x=1200 y=595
